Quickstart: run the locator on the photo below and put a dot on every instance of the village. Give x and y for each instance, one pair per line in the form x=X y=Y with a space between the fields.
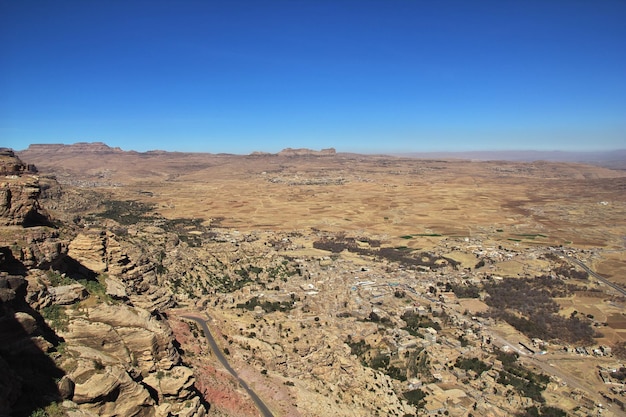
x=345 y=313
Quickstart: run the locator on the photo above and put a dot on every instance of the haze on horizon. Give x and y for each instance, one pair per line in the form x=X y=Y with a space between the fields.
x=359 y=76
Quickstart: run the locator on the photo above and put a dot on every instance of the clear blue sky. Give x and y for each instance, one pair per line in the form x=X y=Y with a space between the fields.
x=364 y=76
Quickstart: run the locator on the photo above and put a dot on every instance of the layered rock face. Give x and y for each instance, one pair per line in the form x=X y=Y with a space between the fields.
x=10 y=164
x=123 y=362
x=129 y=273
x=93 y=147
x=80 y=318
x=19 y=192
x=27 y=374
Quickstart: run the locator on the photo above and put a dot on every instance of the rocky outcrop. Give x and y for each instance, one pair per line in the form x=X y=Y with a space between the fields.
x=147 y=338
x=18 y=201
x=67 y=294
x=124 y=362
x=43 y=248
x=175 y=383
x=69 y=338
x=112 y=392
x=19 y=192
x=100 y=252
x=89 y=251
x=307 y=152
x=27 y=374
x=129 y=273
x=10 y=164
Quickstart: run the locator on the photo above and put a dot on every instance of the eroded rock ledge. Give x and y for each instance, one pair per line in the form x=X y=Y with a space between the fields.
x=80 y=321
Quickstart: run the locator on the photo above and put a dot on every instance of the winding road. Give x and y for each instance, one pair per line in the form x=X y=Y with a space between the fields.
x=265 y=411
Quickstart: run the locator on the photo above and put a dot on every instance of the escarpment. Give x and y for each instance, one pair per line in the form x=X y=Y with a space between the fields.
x=81 y=322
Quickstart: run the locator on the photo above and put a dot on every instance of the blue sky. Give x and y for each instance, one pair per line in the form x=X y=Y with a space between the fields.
x=361 y=76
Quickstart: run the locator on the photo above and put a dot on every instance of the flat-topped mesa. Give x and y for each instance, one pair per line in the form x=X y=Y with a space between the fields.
x=307 y=152
x=86 y=147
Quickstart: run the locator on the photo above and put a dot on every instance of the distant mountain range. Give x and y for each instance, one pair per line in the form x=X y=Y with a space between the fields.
x=615 y=159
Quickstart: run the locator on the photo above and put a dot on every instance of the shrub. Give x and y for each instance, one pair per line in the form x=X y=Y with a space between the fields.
x=415 y=322
x=55 y=316
x=415 y=397
x=126 y=212
x=524 y=381
x=267 y=306
x=465 y=291
x=56 y=279
x=473 y=364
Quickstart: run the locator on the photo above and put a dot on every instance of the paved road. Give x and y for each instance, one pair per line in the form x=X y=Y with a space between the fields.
x=571 y=380
x=218 y=353
x=596 y=275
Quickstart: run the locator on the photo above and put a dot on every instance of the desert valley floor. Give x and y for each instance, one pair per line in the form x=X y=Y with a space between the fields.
x=344 y=284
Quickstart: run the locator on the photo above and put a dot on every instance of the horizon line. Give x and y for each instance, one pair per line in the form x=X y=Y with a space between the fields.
x=380 y=152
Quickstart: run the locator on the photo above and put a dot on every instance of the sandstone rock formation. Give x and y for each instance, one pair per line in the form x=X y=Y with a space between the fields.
x=88 y=346
x=18 y=201
x=42 y=248
x=19 y=192
x=10 y=164
x=26 y=372
x=67 y=294
x=123 y=362
x=89 y=250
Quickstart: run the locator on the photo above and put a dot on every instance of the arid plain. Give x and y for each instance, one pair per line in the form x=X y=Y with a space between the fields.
x=569 y=203
x=565 y=203
x=519 y=217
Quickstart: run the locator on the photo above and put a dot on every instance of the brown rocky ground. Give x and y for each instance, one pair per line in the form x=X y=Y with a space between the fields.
x=269 y=210
x=561 y=202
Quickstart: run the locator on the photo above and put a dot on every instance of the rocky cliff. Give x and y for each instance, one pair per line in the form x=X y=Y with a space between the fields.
x=90 y=147
x=19 y=192
x=81 y=326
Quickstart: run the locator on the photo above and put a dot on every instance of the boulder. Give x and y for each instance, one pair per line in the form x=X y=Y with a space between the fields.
x=112 y=393
x=27 y=322
x=68 y=294
x=116 y=288
x=172 y=384
x=66 y=387
x=188 y=408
